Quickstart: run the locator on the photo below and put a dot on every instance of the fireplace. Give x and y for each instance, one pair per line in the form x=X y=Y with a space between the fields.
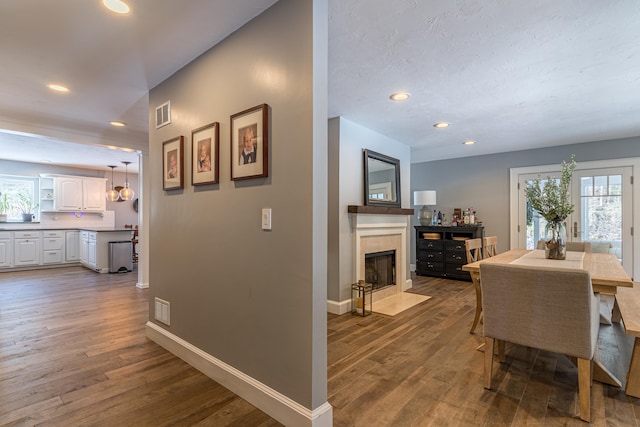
x=380 y=269
x=381 y=234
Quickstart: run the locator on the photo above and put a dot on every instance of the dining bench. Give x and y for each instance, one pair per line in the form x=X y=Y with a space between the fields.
x=627 y=307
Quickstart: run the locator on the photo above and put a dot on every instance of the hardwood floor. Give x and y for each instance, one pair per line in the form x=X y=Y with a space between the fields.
x=73 y=352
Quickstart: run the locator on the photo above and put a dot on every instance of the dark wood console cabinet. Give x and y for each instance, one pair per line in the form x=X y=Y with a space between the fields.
x=440 y=250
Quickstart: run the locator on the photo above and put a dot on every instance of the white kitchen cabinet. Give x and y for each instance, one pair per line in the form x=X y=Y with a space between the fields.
x=84 y=247
x=68 y=194
x=92 y=253
x=52 y=247
x=72 y=246
x=6 y=249
x=75 y=194
x=93 y=195
x=26 y=248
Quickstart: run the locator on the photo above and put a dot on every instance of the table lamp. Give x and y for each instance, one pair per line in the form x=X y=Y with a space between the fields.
x=424 y=198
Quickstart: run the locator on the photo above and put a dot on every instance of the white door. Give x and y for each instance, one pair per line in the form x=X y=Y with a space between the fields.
x=72 y=246
x=603 y=200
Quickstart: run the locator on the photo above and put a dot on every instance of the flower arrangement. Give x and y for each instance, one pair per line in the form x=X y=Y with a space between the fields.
x=552 y=202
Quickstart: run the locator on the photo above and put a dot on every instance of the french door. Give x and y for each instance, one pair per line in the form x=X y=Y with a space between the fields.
x=603 y=216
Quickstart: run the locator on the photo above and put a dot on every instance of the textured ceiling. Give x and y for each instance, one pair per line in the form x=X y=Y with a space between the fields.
x=511 y=75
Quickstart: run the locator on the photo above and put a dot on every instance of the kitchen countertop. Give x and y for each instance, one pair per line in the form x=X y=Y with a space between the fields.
x=40 y=227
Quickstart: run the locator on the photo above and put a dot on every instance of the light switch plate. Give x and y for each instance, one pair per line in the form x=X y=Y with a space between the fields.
x=266 y=218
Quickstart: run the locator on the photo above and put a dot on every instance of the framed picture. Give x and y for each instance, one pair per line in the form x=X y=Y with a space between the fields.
x=173 y=163
x=205 y=154
x=250 y=143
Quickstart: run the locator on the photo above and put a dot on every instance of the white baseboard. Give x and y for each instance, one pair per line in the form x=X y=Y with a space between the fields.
x=338 y=307
x=268 y=400
x=408 y=284
x=142 y=285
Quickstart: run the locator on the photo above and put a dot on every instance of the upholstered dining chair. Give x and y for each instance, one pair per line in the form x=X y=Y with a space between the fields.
x=571 y=246
x=474 y=253
x=551 y=309
x=490 y=246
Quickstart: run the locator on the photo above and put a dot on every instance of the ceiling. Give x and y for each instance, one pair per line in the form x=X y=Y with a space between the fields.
x=510 y=75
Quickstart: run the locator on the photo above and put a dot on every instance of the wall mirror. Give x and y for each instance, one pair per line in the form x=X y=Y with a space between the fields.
x=381 y=180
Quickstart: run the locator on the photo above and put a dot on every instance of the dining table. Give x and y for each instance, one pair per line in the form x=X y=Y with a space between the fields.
x=607 y=274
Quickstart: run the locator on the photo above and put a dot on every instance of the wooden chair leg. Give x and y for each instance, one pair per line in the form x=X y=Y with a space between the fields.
x=633 y=375
x=488 y=361
x=584 y=388
x=476 y=319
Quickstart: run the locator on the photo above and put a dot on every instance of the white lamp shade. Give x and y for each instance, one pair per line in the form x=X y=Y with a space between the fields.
x=424 y=197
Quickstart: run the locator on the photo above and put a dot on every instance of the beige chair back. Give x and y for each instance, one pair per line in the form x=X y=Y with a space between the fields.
x=551 y=309
x=474 y=250
x=490 y=246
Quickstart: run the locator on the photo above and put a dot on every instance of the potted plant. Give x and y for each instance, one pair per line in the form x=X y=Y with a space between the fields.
x=26 y=205
x=552 y=202
x=4 y=206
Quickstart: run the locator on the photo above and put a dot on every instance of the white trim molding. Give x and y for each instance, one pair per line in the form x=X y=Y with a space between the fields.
x=268 y=400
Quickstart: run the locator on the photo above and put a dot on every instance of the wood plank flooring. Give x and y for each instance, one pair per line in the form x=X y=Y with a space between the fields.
x=73 y=352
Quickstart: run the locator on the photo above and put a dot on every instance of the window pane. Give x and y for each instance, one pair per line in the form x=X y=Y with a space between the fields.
x=586 y=185
x=600 y=186
x=615 y=185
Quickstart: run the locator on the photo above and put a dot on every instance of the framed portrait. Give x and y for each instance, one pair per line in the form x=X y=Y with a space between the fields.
x=205 y=154
x=173 y=163
x=250 y=143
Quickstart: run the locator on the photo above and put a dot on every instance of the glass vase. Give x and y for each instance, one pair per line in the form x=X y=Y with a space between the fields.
x=555 y=242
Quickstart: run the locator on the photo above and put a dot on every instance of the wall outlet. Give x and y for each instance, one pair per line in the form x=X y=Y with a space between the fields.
x=162 y=311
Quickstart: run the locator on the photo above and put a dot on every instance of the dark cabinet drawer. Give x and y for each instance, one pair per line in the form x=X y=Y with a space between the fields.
x=431 y=256
x=429 y=266
x=430 y=244
x=457 y=257
x=455 y=270
x=455 y=245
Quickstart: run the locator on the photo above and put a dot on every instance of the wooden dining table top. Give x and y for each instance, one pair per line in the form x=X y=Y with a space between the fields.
x=606 y=271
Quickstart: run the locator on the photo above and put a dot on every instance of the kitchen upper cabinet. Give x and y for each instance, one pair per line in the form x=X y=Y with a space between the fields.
x=93 y=195
x=68 y=194
x=75 y=194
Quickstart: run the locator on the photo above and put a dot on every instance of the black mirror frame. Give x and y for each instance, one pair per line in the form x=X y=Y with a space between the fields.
x=368 y=154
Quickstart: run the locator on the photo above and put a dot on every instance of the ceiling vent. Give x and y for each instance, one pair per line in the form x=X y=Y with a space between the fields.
x=163 y=115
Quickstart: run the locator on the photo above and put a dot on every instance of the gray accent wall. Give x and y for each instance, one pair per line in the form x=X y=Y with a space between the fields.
x=254 y=299
x=482 y=182
x=347 y=140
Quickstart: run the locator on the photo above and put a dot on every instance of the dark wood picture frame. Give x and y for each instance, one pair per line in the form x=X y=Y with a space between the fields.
x=252 y=126
x=378 y=165
x=205 y=154
x=173 y=163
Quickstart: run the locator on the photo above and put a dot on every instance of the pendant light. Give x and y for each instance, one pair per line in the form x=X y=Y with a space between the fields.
x=112 y=195
x=126 y=193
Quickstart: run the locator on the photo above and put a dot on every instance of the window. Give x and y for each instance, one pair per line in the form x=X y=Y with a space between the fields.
x=19 y=189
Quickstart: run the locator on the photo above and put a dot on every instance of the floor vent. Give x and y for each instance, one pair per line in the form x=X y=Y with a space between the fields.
x=163 y=114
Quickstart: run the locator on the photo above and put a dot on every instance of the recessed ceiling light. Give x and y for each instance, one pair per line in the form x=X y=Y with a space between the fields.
x=57 y=87
x=116 y=6
x=470 y=142
x=399 y=96
x=441 y=125
x=117 y=123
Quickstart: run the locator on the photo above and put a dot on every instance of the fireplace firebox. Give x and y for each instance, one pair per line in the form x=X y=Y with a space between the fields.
x=380 y=269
